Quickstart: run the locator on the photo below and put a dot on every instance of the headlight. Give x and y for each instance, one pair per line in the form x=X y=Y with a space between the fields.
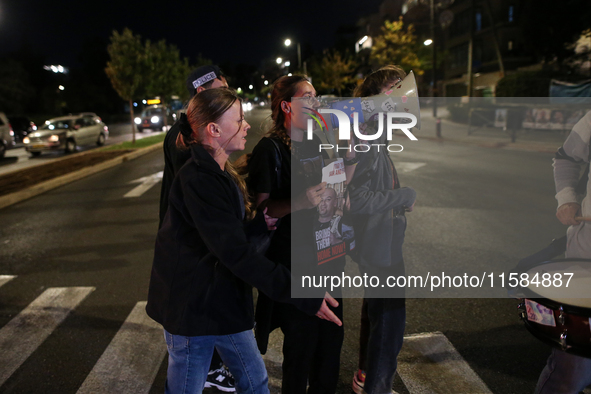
x=26 y=140
x=137 y=120
x=54 y=138
x=155 y=119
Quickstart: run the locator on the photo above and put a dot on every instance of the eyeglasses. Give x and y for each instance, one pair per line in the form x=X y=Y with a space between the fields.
x=308 y=99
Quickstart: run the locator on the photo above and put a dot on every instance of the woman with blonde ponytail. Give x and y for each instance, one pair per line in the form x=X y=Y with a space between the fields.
x=204 y=266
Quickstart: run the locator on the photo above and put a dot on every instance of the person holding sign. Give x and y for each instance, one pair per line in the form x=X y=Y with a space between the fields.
x=291 y=187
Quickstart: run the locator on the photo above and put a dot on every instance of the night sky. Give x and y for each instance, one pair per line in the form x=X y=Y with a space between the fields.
x=224 y=31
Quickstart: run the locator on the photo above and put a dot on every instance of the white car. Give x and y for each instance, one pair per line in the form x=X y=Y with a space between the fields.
x=6 y=135
x=67 y=132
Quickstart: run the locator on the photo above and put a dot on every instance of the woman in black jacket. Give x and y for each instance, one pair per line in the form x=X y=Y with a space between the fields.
x=204 y=266
x=379 y=203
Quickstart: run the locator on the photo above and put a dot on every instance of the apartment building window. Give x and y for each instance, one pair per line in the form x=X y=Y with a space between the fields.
x=478 y=20
x=511 y=13
x=461 y=24
x=459 y=56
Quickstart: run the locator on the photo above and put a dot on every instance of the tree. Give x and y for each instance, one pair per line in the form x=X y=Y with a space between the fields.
x=550 y=27
x=398 y=45
x=166 y=71
x=334 y=71
x=127 y=67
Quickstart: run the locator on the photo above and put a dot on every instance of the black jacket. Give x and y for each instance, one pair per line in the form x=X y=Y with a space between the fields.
x=378 y=209
x=174 y=159
x=204 y=266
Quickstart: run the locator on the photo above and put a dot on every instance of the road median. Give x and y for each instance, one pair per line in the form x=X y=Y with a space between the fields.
x=24 y=184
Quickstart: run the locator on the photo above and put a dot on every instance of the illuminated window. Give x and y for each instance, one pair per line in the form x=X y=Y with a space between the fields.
x=478 y=21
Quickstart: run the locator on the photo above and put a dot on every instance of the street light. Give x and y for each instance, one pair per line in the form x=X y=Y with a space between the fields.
x=279 y=60
x=57 y=69
x=287 y=43
x=428 y=42
x=434 y=69
x=61 y=87
x=250 y=87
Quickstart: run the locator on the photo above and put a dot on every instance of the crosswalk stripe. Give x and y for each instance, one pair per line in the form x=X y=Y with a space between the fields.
x=402 y=166
x=429 y=363
x=4 y=279
x=132 y=359
x=27 y=330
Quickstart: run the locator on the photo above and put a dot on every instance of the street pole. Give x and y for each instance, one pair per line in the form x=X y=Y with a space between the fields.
x=299 y=58
x=471 y=49
x=488 y=7
x=434 y=56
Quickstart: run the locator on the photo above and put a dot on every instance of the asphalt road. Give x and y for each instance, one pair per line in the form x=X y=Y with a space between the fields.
x=477 y=208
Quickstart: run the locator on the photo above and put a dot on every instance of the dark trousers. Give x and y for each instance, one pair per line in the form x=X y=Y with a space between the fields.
x=311 y=351
x=216 y=361
x=387 y=319
x=383 y=320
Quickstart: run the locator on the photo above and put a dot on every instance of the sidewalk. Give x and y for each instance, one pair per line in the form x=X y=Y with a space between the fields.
x=531 y=140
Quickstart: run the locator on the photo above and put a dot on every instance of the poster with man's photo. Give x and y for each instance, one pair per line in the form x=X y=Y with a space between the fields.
x=334 y=238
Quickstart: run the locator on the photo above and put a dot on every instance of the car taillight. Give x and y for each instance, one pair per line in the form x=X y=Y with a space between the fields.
x=11 y=131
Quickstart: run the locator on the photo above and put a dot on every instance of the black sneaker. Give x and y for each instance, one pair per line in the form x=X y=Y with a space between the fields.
x=221 y=379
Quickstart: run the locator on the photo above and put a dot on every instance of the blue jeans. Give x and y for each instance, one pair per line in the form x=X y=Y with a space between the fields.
x=564 y=373
x=189 y=359
x=387 y=319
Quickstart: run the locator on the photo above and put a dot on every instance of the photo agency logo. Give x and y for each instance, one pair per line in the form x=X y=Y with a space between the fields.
x=373 y=119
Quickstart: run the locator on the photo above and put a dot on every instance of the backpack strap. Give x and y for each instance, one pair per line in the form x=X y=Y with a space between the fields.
x=277 y=161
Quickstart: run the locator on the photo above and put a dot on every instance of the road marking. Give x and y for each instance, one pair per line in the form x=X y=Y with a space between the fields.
x=132 y=359
x=4 y=279
x=404 y=166
x=145 y=184
x=23 y=334
x=429 y=363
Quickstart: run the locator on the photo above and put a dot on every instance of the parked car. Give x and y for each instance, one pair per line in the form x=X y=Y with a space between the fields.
x=6 y=135
x=67 y=132
x=152 y=118
x=22 y=126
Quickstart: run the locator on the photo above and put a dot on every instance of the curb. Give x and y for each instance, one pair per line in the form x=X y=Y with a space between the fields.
x=543 y=148
x=43 y=187
x=491 y=142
